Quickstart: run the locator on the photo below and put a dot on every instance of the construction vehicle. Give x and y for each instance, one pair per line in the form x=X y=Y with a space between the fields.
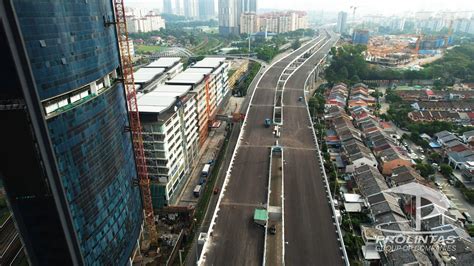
x=134 y=120
x=268 y=122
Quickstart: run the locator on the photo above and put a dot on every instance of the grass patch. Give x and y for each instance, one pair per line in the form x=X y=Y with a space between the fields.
x=147 y=49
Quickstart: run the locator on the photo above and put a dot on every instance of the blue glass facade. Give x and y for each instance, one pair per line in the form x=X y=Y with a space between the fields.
x=67 y=42
x=69 y=46
x=95 y=160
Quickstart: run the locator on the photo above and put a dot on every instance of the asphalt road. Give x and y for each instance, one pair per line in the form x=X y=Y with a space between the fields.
x=236 y=239
x=310 y=234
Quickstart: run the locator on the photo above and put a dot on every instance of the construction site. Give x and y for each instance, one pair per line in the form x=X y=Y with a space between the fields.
x=406 y=51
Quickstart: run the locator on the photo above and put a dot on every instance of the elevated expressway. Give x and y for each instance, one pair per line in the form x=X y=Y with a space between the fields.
x=309 y=230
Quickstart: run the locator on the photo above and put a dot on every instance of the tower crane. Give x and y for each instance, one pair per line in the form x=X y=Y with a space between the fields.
x=134 y=117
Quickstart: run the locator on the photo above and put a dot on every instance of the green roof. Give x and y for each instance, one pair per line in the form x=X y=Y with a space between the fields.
x=260 y=214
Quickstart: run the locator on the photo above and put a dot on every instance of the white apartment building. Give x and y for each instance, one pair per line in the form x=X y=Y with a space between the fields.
x=197 y=81
x=150 y=22
x=219 y=76
x=280 y=22
x=209 y=81
x=249 y=23
x=176 y=108
x=170 y=138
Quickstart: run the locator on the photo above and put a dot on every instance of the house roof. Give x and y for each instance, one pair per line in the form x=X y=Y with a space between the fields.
x=442 y=134
x=468 y=134
x=351 y=197
x=460 y=157
x=369 y=180
x=447 y=138
x=453 y=143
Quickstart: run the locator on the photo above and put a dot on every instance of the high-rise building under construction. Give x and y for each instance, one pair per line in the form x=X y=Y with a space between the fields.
x=67 y=159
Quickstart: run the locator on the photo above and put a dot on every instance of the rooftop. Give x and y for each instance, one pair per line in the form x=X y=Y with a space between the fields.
x=187 y=78
x=161 y=99
x=164 y=62
x=144 y=75
x=209 y=62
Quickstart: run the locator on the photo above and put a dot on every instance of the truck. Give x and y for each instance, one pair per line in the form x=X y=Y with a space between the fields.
x=205 y=170
x=197 y=191
x=268 y=122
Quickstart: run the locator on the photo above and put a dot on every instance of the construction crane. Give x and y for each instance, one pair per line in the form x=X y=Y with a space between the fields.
x=135 y=126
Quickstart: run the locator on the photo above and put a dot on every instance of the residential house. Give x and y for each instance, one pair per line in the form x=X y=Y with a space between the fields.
x=390 y=159
x=429 y=116
x=403 y=175
x=369 y=180
x=461 y=160
x=468 y=137
x=358 y=154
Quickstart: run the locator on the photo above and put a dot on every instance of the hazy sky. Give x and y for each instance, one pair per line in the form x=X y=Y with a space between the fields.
x=365 y=6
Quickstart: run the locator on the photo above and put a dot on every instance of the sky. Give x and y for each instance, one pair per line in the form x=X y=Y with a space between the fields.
x=364 y=6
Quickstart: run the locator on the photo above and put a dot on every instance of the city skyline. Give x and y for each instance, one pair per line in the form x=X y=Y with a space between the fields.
x=364 y=6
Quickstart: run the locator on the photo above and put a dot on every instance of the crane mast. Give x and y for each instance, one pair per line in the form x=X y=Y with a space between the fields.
x=135 y=125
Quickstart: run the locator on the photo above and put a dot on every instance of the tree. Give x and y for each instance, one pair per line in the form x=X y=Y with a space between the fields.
x=425 y=169
x=435 y=157
x=296 y=44
x=446 y=170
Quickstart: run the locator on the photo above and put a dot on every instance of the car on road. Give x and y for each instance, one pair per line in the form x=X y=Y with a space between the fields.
x=216 y=191
x=197 y=191
x=468 y=217
x=272 y=229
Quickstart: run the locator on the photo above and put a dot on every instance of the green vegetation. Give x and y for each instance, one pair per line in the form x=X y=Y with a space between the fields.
x=351 y=225
x=415 y=138
x=208 y=46
x=446 y=170
x=267 y=52
x=468 y=193
x=425 y=169
x=435 y=157
x=470 y=229
x=348 y=65
x=193 y=39
x=356 y=219
x=191 y=24
x=296 y=44
x=316 y=105
x=353 y=245
x=244 y=84
x=398 y=113
x=147 y=49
